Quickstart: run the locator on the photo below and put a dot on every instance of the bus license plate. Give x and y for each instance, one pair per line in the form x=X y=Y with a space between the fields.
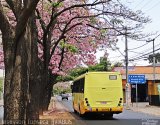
x=103 y=102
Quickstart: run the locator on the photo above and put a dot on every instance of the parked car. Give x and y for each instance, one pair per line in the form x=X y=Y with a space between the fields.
x=64 y=96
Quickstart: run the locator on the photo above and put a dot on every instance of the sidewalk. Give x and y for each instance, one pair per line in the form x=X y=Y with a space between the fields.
x=56 y=110
x=144 y=107
x=1 y=102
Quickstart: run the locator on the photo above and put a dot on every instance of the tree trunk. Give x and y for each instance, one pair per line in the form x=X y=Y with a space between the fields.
x=47 y=92
x=18 y=47
x=43 y=98
x=45 y=74
x=16 y=81
x=40 y=63
x=21 y=94
x=34 y=80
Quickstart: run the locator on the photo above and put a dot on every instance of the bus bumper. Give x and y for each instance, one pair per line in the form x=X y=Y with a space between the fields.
x=114 y=110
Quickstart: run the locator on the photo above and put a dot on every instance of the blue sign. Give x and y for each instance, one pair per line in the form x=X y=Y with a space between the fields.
x=136 y=79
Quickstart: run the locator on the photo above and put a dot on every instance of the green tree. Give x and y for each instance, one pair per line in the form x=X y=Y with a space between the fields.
x=78 y=71
x=103 y=65
x=118 y=64
x=64 y=78
x=157 y=58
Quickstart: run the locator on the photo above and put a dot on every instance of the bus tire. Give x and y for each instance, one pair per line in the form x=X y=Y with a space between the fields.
x=109 y=116
x=81 y=115
x=74 y=110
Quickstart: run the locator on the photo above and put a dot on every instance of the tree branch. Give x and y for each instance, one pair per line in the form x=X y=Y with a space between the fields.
x=22 y=21
x=12 y=7
x=4 y=25
x=79 y=5
x=62 y=56
x=41 y=21
x=62 y=36
x=23 y=18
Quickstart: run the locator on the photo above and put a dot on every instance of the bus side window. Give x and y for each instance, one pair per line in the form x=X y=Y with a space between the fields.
x=71 y=86
x=75 y=87
x=82 y=85
x=78 y=86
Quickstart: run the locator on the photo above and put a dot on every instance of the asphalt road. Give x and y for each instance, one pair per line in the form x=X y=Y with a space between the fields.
x=1 y=112
x=128 y=117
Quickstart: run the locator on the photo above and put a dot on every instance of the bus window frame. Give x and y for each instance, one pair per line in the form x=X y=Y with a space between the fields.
x=78 y=86
x=112 y=78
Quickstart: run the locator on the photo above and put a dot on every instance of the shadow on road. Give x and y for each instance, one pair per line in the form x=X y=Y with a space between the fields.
x=92 y=116
x=97 y=117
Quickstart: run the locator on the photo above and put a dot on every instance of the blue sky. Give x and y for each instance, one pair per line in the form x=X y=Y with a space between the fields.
x=150 y=8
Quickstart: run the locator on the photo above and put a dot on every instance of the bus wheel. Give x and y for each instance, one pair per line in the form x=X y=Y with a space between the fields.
x=75 y=111
x=81 y=115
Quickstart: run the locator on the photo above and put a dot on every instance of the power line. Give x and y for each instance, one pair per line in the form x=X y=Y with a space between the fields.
x=118 y=50
x=144 y=45
x=135 y=52
x=139 y=4
x=138 y=47
x=143 y=55
x=145 y=5
x=115 y=57
x=143 y=51
x=153 y=6
x=157 y=36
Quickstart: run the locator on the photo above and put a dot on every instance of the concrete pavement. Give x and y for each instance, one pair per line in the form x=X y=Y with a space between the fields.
x=144 y=107
x=57 y=110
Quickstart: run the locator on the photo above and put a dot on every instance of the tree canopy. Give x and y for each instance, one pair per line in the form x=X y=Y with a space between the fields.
x=64 y=25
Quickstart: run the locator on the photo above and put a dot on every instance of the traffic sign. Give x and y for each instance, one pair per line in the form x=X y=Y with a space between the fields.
x=136 y=79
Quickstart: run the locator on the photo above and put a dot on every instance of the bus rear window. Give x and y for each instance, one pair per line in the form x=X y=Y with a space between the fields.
x=113 y=77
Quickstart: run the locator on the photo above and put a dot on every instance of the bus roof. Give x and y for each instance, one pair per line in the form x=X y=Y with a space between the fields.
x=83 y=75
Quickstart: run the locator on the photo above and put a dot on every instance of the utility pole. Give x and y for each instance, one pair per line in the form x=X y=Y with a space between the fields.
x=154 y=61
x=126 y=55
x=127 y=91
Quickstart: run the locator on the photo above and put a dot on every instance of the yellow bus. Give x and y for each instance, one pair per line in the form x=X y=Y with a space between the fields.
x=99 y=92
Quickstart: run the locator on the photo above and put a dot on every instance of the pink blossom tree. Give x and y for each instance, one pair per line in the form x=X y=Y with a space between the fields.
x=69 y=33
x=71 y=42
